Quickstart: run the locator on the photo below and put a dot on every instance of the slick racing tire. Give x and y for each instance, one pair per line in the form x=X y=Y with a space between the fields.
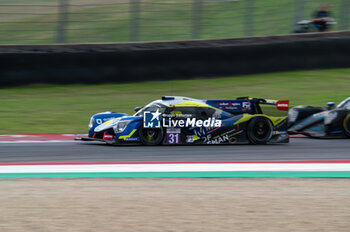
x=259 y=130
x=347 y=125
x=151 y=136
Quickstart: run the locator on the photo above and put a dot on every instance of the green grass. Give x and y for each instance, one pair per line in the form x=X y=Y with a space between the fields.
x=68 y=108
x=159 y=20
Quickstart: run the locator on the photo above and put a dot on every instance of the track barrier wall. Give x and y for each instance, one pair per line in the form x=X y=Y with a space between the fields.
x=133 y=62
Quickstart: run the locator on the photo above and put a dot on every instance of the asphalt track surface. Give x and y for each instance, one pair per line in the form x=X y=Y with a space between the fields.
x=78 y=151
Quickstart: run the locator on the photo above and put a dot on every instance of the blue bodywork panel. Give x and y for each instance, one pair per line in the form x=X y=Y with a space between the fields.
x=101 y=118
x=134 y=125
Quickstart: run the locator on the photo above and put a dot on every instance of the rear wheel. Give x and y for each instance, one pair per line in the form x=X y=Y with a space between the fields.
x=259 y=130
x=151 y=136
x=346 y=125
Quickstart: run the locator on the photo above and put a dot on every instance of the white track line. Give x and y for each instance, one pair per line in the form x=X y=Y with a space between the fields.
x=196 y=167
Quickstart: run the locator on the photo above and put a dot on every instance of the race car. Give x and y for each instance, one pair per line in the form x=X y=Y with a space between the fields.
x=321 y=122
x=181 y=120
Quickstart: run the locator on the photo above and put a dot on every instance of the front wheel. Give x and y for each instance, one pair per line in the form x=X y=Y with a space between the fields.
x=346 y=125
x=151 y=136
x=259 y=130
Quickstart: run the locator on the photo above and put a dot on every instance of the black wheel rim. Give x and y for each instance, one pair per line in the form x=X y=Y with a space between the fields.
x=347 y=126
x=150 y=135
x=261 y=130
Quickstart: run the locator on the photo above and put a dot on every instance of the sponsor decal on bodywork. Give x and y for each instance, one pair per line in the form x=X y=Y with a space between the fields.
x=105 y=137
x=132 y=139
x=189 y=139
x=202 y=131
x=282 y=105
x=192 y=122
x=246 y=106
x=100 y=121
x=173 y=136
x=228 y=136
x=152 y=119
x=155 y=120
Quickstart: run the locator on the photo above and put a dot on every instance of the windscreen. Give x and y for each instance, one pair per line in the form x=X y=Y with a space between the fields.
x=345 y=104
x=151 y=107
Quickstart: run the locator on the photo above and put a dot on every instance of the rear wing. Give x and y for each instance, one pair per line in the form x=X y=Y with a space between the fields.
x=280 y=104
x=247 y=105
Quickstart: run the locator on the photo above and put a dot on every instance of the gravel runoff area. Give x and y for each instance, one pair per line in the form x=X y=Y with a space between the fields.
x=285 y=204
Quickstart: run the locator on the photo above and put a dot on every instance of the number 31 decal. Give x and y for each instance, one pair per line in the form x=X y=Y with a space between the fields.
x=173 y=138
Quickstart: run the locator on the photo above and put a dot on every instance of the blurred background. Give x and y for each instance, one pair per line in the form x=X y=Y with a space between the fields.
x=84 y=21
x=35 y=74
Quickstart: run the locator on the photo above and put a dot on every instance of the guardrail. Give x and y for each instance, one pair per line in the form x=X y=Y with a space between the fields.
x=130 y=62
x=76 y=21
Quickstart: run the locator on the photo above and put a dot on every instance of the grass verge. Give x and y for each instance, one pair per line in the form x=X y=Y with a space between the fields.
x=68 y=108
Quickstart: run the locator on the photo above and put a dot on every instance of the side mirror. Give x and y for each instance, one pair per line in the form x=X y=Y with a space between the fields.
x=330 y=105
x=137 y=108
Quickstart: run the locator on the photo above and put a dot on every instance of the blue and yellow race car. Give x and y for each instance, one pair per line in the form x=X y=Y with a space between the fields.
x=181 y=120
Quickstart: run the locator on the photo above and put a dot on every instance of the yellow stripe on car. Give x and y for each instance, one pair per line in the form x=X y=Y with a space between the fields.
x=108 y=122
x=246 y=117
x=192 y=104
x=127 y=136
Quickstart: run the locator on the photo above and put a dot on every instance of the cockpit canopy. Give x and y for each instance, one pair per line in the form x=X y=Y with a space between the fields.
x=345 y=104
x=153 y=106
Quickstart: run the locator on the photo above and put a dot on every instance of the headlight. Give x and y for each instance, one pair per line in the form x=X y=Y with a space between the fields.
x=330 y=117
x=292 y=115
x=92 y=121
x=121 y=125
